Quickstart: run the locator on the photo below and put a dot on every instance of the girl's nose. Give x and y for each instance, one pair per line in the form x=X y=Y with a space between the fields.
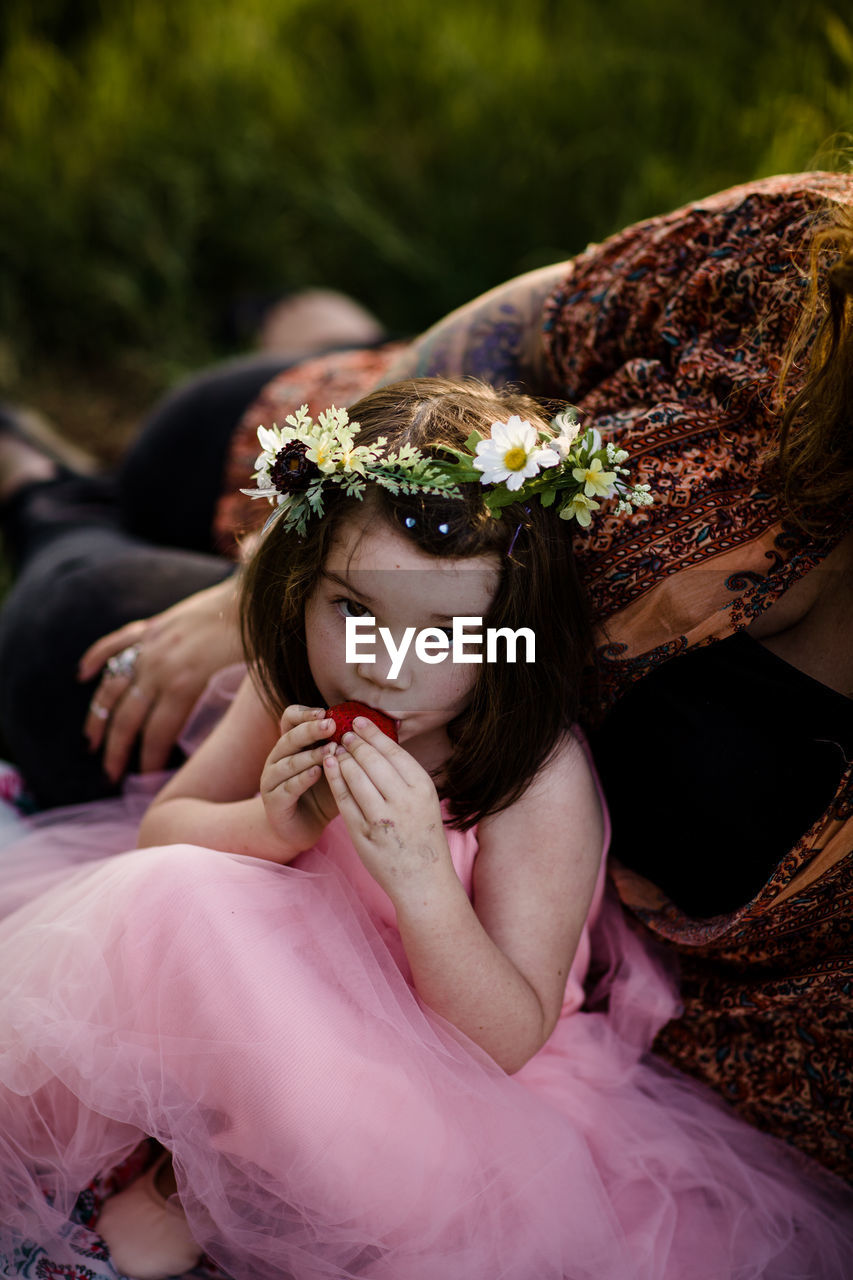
x=379 y=673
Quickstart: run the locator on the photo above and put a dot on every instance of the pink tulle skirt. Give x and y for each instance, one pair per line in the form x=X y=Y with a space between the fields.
x=254 y=1019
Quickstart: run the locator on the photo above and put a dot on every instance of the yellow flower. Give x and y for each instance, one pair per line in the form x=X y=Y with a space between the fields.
x=321 y=452
x=352 y=458
x=596 y=482
x=579 y=507
x=515 y=459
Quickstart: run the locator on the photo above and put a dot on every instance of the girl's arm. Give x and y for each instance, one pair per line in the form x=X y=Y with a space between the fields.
x=497 y=337
x=497 y=968
x=214 y=800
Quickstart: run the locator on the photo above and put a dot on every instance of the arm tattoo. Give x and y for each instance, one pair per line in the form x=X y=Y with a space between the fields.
x=496 y=338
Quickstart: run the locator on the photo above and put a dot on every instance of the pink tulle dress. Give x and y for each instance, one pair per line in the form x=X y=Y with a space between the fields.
x=260 y=1022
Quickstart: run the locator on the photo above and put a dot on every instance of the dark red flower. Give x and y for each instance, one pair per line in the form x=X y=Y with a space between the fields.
x=292 y=471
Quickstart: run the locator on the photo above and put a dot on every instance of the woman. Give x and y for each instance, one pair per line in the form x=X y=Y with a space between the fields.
x=670 y=336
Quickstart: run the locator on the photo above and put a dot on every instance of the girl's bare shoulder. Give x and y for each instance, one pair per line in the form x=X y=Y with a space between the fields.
x=560 y=813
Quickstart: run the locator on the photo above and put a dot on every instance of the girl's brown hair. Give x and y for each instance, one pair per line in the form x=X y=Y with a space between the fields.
x=517 y=713
x=815 y=460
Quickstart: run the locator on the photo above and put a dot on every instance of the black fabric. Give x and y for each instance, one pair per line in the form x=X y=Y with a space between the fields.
x=73 y=589
x=171 y=476
x=49 y=510
x=715 y=765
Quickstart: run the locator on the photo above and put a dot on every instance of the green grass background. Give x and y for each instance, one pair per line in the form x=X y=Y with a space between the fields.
x=161 y=162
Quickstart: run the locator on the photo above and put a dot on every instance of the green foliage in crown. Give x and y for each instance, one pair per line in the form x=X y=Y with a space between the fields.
x=569 y=469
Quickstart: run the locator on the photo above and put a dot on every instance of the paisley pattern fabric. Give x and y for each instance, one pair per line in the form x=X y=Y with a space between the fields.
x=669 y=338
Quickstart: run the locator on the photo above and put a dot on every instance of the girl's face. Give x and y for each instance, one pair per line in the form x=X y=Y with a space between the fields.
x=373 y=571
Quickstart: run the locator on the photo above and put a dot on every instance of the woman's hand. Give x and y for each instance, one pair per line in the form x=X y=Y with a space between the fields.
x=178 y=651
x=391 y=808
x=296 y=796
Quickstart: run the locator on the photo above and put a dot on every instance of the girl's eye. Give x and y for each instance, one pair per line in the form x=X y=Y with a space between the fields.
x=350 y=608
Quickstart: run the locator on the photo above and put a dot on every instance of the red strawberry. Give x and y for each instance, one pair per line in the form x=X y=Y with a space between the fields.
x=345 y=712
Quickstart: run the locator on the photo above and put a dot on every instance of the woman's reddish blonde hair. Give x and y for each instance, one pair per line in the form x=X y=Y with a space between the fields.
x=815 y=459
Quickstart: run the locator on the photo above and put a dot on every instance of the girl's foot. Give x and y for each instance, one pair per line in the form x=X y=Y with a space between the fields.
x=148 y=1235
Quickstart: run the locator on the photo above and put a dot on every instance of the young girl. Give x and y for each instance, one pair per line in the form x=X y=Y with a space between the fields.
x=341 y=984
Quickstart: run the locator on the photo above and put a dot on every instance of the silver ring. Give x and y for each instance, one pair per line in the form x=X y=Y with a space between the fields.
x=124 y=663
x=101 y=713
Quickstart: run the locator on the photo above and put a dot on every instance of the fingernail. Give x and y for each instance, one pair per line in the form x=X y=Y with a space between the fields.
x=348 y=737
x=361 y=722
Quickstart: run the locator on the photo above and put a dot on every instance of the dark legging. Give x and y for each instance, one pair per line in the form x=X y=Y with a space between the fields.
x=93 y=554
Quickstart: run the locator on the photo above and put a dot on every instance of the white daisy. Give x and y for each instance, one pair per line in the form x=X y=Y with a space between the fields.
x=512 y=455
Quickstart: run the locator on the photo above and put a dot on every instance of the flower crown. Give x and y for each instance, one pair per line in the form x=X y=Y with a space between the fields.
x=571 y=469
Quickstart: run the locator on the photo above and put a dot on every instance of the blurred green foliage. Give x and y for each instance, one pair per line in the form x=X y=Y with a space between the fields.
x=160 y=161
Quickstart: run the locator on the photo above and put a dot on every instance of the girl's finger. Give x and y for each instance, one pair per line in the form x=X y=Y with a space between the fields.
x=382 y=770
x=282 y=770
x=341 y=794
x=297 y=784
x=371 y=802
x=405 y=766
x=295 y=714
x=300 y=728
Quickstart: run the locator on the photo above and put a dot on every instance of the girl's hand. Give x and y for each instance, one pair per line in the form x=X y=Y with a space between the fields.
x=391 y=808
x=179 y=650
x=296 y=796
